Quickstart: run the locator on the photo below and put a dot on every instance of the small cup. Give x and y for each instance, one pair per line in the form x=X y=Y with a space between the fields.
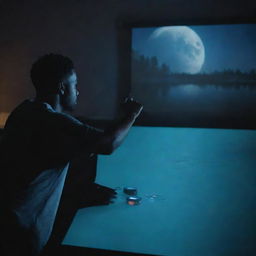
x=130 y=191
x=133 y=200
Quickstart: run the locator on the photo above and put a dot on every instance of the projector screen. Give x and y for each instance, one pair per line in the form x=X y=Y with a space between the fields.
x=196 y=76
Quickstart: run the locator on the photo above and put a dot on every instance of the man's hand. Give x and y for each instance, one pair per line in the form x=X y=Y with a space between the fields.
x=132 y=107
x=98 y=195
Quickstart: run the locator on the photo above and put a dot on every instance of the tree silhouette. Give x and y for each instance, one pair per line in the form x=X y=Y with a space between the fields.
x=149 y=70
x=165 y=70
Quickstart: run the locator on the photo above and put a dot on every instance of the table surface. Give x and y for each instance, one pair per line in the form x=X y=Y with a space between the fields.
x=198 y=189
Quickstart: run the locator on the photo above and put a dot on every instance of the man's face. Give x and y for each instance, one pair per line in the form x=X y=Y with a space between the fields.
x=69 y=98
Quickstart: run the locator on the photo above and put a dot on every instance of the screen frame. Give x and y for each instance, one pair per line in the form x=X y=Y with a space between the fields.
x=125 y=61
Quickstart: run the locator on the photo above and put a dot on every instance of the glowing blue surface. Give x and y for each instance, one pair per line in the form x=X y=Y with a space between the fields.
x=206 y=182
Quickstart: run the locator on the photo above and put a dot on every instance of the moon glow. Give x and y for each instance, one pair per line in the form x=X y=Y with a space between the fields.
x=180 y=47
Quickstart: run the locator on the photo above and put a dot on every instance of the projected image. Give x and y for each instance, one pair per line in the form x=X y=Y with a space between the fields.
x=196 y=76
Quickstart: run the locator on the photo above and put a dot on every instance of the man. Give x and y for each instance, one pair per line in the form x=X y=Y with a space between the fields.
x=39 y=141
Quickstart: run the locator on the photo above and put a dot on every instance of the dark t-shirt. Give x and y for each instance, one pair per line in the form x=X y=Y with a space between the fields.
x=35 y=151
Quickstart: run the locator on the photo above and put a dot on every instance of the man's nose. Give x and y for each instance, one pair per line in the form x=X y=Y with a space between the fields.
x=77 y=92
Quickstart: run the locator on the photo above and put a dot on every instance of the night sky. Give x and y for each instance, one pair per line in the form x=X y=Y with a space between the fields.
x=226 y=46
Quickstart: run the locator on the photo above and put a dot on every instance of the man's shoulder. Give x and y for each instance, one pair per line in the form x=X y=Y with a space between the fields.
x=40 y=116
x=16 y=115
x=25 y=112
x=34 y=108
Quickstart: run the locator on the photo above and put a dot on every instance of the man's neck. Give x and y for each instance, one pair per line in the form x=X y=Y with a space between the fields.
x=53 y=100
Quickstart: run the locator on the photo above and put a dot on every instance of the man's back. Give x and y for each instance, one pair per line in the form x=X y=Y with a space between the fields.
x=34 y=160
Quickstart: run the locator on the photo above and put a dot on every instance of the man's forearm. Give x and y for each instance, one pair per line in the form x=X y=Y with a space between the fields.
x=120 y=130
x=112 y=137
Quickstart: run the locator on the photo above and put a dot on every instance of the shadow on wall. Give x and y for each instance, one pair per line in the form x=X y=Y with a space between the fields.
x=3 y=118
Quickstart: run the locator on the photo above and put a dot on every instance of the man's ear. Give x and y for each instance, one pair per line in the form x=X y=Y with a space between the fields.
x=61 y=88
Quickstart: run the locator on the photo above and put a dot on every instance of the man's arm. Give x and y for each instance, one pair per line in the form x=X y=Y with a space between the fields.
x=113 y=137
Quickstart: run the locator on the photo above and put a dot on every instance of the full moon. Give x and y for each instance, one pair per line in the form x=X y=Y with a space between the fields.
x=179 y=47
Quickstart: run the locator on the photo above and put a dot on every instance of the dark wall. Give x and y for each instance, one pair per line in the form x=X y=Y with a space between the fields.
x=92 y=33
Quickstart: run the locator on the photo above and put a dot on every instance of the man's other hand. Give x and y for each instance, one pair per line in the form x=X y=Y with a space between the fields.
x=97 y=195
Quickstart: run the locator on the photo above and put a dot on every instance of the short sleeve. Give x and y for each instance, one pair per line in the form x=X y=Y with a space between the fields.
x=65 y=136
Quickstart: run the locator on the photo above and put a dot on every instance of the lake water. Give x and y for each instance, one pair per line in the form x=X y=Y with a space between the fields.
x=195 y=102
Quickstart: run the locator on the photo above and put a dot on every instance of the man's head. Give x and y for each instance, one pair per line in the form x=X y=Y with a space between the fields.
x=54 y=74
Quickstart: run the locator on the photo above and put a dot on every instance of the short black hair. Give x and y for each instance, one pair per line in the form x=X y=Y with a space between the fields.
x=48 y=71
